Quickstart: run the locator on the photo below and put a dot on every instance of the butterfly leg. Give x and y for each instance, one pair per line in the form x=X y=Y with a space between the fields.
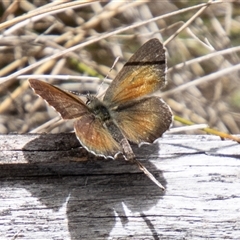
x=130 y=156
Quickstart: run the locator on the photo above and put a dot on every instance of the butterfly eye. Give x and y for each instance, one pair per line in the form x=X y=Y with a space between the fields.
x=89 y=99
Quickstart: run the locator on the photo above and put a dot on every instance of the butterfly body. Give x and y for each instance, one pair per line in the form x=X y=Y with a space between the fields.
x=127 y=111
x=98 y=108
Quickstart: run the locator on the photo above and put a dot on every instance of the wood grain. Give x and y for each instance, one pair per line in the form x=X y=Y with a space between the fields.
x=50 y=188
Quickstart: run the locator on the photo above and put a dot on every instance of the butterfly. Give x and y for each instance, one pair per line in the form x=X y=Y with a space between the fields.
x=128 y=111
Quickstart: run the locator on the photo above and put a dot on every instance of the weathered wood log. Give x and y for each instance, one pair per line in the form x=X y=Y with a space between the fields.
x=50 y=188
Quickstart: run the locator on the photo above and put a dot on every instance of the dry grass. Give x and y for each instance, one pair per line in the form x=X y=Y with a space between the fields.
x=83 y=40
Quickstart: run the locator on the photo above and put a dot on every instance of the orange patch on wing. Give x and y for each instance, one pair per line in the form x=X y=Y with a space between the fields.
x=145 y=80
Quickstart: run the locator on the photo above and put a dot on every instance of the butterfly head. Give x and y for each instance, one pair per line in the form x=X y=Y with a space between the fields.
x=98 y=108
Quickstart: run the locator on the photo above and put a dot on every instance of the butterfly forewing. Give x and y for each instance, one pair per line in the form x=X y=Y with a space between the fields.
x=143 y=74
x=143 y=120
x=68 y=105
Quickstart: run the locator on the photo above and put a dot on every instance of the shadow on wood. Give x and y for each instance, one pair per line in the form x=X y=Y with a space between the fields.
x=50 y=188
x=55 y=171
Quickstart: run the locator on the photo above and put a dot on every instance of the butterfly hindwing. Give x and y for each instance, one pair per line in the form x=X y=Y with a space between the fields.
x=143 y=120
x=95 y=137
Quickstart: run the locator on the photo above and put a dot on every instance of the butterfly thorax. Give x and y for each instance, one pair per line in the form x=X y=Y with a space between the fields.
x=98 y=108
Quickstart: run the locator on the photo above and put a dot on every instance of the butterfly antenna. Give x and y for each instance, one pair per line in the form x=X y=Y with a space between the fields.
x=106 y=77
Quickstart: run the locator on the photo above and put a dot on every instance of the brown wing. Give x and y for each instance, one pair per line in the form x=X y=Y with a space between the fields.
x=68 y=105
x=90 y=130
x=95 y=137
x=143 y=74
x=143 y=120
